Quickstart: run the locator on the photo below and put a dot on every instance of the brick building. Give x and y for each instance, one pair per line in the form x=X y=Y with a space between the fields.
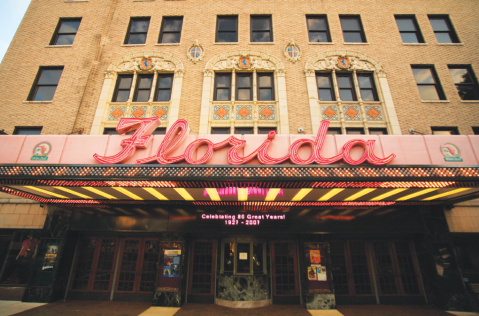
x=391 y=73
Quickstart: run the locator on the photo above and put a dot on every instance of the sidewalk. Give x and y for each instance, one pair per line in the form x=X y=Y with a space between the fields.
x=13 y=307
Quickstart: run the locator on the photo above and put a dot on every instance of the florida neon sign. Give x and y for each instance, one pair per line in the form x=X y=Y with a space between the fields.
x=179 y=131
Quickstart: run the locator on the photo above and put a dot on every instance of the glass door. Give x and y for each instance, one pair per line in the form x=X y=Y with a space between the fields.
x=285 y=273
x=202 y=272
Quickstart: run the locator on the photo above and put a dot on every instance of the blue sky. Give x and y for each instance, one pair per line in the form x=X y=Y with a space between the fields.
x=11 y=14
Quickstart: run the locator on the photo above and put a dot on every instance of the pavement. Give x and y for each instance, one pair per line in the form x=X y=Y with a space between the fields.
x=113 y=308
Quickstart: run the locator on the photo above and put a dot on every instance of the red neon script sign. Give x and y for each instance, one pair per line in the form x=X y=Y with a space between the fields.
x=179 y=131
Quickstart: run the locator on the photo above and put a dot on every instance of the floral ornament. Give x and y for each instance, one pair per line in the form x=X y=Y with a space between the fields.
x=196 y=52
x=292 y=51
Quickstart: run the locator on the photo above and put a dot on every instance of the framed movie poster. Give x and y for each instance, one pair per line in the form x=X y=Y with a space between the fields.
x=316 y=266
x=446 y=267
x=172 y=263
x=46 y=262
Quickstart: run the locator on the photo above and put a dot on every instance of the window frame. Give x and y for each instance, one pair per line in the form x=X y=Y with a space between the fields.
x=334 y=131
x=237 y=87
x=373 y=85
x=384 y=130
x=217 y=129
x=351 y=81
x=130 y=25
x=437 y=83
x=215 y=94
x=17 y=129
x=266 y=130
x=258 y=87
x=218 y=17
x=235 y=242
x=137 y=86
x=420 y=38
x=157 y=87
x=472 y=75
x=56 y=34
x=356 y=129
x=118 y=81
x=327 y=31
x=452 y=31
x=261 y=16
x=238 y=128
x=360 y=23
x=34 y=89
x=453 y=129
x=331 y=83
x=166 y=18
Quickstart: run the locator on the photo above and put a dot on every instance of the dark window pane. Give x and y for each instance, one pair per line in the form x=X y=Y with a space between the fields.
x=265 y=130
x=143 y=96
x=244 y=131
x=171 y=38
x=65 y=40
x=139 y=26
x=428 y=92
x=69 y=27
x=317 y=24
x=265 y=81
x=122 y=96
x=244 y=94
x=460 y=76
x=27 y=131
x=346 y=95
x=145 y=82
x=378 y=131
x=423 y=75
x=344 y=82
x=222 y=95
x=220 y=131
x=261 y=24
x=45 y=93
x=409 y=38
x=125 y=83
x=443 y=38
x=159 y=131
x=223 y=81
x=244 y=81
x=406 y=25
x=165 y=82
x=172 y=25
x=163 y=95
x=439 y=25
x=50 y=76
x=261 y=37
x=227 y=37
x=265 y=94
x=350 y=24
x=323 y=81
x=467 y=92
x=137 y=39
x=318 y=37
x=352 y=37
x=325 y=95
x=351 y=131
x=365 y=82
x=226 y=24
x=367 y=95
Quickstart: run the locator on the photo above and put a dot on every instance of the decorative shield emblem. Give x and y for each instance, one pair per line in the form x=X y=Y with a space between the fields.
x=41 y=151
x=451 y=152
x=343 y=62
x=244 y=62
x=145 y=64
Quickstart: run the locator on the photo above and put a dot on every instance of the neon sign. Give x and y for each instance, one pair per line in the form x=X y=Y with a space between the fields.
x=179 y=131
x=242 y=219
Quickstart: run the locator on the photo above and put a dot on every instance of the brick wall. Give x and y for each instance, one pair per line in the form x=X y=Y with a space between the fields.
x=77 y=95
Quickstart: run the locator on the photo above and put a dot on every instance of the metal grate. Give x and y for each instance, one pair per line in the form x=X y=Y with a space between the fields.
x=284 y=269
x=202 y=268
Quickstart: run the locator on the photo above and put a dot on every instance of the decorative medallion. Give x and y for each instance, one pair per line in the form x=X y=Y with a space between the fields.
x=41 y=151
x=266 y=112
x=116 y=112
x=451 y=152
x=244 y=62
x=221 y=112
x=138 y=112
x=373 y=113
x=244 y=112
x=146 y=64
x=351 y=113
x=292 y=51
x=196 y=52
x=343 y=62
x=161 y=112
x=330 y=113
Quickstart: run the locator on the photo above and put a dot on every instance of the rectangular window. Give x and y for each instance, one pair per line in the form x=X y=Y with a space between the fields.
x=143 y=88
x=346 y=87
x=427 y=83
x=265 y=130
x=378 y=131
x=261 y=29
x=318 y=29
x=325 y=87
x=334 y=131
x=409 y=29
x=223 y=87
x=354 y=131
x=244 y=130
x=367 y=87
x=442 y=27
x=45 y=84
x=137 y=31
x=440 y=130
x=171 y=29
x=244 y=86
x=163 y=87
x=122 y=90
x=110 y=131
x=28 y=130
x=65 y=31
x=220 y=130
x=159 y=131
x=352 y=29
x=265 y=86
x=227 y=29
x=465 y=82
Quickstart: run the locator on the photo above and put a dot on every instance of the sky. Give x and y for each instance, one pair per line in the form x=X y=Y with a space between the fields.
x=11 y=14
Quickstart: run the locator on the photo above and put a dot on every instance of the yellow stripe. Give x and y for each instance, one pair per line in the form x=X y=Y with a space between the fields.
x=214 y=196
x=155 y=193
x=272 y=193
x=388 y=194
x=446 y=194
x=184 y=194
x=359 y=194
x=413 y=195
x=127 y=193
x=96 y=191
x=243 y=194
x=74 y=192
x=330 y=194
x=301 y=194
x=47 y=192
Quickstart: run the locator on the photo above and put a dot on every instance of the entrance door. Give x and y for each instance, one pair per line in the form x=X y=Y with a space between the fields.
x=202 y=272
x=136 y=276
x=285 y=273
